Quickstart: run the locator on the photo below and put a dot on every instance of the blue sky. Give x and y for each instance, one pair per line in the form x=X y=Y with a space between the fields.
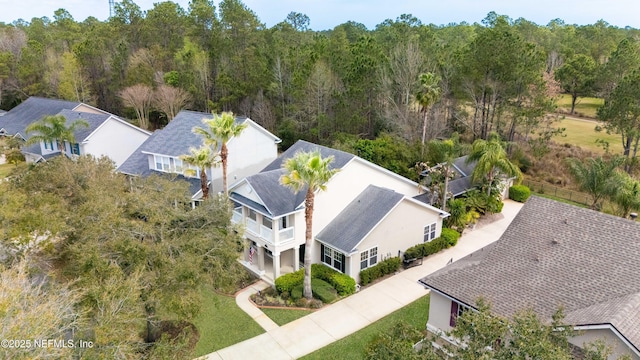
x=325 y=14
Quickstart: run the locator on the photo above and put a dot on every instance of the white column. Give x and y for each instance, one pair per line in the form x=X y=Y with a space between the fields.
x=276 y=265
x=296 y=256
x=261 y=258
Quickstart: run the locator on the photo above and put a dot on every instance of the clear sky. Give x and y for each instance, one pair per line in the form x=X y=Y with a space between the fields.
x=325 y=14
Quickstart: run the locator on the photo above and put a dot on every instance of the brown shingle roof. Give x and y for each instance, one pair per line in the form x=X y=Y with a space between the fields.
x=554 y=254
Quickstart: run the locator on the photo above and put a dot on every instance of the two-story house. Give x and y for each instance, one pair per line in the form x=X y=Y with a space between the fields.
x=160 y=153
x=366 y=214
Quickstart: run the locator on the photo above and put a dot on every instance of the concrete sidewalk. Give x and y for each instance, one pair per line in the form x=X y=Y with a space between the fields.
x=347 y=316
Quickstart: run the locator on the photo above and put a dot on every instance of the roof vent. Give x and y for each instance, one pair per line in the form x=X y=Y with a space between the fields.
x=554 y=242
x=537 y=258
x=566 y=221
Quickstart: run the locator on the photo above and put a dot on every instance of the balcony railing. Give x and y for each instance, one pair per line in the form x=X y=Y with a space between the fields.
x=285 y=234
x=266 y=233
x=252 y=226
x=236 y=217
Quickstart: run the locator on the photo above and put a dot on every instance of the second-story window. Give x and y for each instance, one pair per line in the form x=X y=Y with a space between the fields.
x=163 y=163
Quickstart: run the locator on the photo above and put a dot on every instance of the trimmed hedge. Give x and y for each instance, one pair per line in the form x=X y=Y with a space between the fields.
x=519 y=193
x=383 y=268
x=344 y=284
x=447 y=239
x=323 y=290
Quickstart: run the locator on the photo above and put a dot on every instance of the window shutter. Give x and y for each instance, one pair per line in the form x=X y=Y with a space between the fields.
x=342 y=267
x=321 y=253
x=454 y=314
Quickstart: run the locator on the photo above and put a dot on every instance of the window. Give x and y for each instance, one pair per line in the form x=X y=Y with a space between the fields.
x=456 y=311
x=429 y=232
x=266 y=222
x=283 y=222
x=191 y=171
x=252 y=215
x=46 y=145
x=368 y=258
x=75 y=149
x=177 y=166
x=163 y=163
x=332 y=258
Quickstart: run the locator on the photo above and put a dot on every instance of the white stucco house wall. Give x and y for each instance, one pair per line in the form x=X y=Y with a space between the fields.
x=249 y=152
x=275 y=223
x=553 y=254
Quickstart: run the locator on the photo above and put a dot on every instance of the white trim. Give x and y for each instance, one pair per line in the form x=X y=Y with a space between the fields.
x=388 y=172
x=613 y=329
x=111 y=116
x=447 y=296
x=92 y=107
x=443 y=214
x=369 y=257
x=276 y=139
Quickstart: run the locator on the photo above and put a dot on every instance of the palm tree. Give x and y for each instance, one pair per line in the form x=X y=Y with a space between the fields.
x=443 y=152
x=221 y=129
x=427 y=96
x=202 y=158
x=597 y=177
x=307 y=170
x=492 y=160
x=54 y=128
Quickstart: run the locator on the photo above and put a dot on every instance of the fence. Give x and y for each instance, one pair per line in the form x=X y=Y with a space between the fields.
x=562 y=193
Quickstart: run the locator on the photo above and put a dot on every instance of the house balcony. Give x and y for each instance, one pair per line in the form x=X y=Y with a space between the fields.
x=257 y=226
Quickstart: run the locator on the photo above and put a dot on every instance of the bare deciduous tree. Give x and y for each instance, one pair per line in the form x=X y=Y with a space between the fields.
x=170 y=100
x=139 y=97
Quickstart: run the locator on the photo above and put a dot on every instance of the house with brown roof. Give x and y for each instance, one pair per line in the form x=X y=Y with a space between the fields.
x=552 y=255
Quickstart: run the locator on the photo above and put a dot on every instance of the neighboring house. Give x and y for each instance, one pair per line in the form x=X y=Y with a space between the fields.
x=107 y=135
x=365 y=215
x=553 y=254
x=461 y=181
x=248 y=153
x=15 y=121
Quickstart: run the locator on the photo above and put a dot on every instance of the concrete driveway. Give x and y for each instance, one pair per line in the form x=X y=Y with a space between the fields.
x=335 y=321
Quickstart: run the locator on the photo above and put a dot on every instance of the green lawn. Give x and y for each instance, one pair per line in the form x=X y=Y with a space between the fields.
x=585 y=106
x=582 y=133
x=352 y=346
x=284 y=316
x=222 y=323
x=6 y=169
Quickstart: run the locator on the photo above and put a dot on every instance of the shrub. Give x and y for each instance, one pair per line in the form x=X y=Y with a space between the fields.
x=383 y=268
x=323 y=290
x=344 y=284
x=450 y=237
x=296 y=293
x=301 y=302
x=519 y=193
x=289 y=281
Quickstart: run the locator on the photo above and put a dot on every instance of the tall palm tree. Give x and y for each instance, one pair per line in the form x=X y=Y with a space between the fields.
x=492 y=160
x=54 y=128
x=443 y=152
x=427 y=96
x=202 y=158
x=221 y=129
x=307 y=171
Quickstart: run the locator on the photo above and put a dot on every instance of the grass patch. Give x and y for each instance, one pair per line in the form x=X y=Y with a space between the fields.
x=582 y=133
x=559 y=199
x=585 y=106
x=285 y=316
x=352 y=346
x=222 y=323
x=6 y=169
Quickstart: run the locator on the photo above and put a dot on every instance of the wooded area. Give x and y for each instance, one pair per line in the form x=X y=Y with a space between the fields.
x=497 y=75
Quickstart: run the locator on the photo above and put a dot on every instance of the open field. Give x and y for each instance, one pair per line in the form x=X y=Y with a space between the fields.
x=582 y=133
x=585 y=106
x=352 y=346
x=222 y=323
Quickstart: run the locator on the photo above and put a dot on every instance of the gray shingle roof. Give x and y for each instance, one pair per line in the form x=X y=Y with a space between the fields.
x=461 y=182
x=94 y=121
x=175 y=139
x=355 y=221
x=556 y=254
x=278 y=199
x=31 y=110
x=341 y=158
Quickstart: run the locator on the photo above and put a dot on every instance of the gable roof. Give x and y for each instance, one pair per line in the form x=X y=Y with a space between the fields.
x=359 y=218
x=554 y=254
x=33 y=109
x=340 y=158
